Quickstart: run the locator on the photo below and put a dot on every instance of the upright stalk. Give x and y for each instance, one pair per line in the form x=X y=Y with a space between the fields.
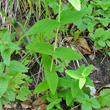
x=56 y=35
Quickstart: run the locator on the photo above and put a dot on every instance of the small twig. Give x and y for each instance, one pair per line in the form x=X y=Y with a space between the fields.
x=75 y=107
x=103 y=59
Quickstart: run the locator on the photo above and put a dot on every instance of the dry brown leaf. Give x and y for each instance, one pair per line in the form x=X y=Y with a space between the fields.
x=37 y=103
x=7 y=23
x=82 y=45
x=92 y=56
x=42 y=107
x=8 y=106
x=26 y=104
x=95 y=69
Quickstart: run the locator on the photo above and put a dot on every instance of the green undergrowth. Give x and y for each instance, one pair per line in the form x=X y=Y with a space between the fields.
x=84 y=14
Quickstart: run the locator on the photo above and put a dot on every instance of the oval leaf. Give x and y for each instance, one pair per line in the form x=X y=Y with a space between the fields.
x=76 y=4
x=89 y=82
x=69 y=98
x=101 y=43
x=43 y=26
x=6 y=56
x=46 y=60
x=82 y=82
x=75 y=88
x=43 y=86
x=41 y=47
x=87 y=70
x=64 y=82
x=73 y=74
x=99 y=32
x=70 y=16
x=66 y=54
x=52 y=79
x=3 y=85
x=17 y=66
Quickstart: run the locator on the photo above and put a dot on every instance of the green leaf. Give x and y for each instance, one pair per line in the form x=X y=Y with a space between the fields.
x=82 y=81
x=64 y=82
x=101 y=43
x=12 y=46
x=52 y=79
x=54 y=6
x=49 y=34
x=59 y=68
x=43 y=86
x=104 y=101
x=92 y=36
x=74 y=88
x=25 y=61
x=66 y=53
x=105 y=22
x=17 y=80
x=87 y=20
x=69 y=98
x=46 y=60
x=43 y=26
x=58 y=106
x=62 y=93
x=2 y=65
x=3 y=31
x=10 y=94
x=105 y=35
x=55 y=96
x=96 y=44
x=89 y=9
x=104 y=98
x=73 y=74
x=81 y=68
x=0 y=105
x=108 y=43
x=76 y=4
x=99 y=32
x=87 y=70
x=86 y=90
x=82 y=99
x=94 y=103
x=70 y=16
x=24 y=91
x=81 y=93
x=57 y=101
x=6 y=56
x=108 y=54
x=86 y=106
x=88 y=103
x=41 y=47
x=89 y=82
x=4 y=100
x=17 y=66
x=90 y=27
x=81 y=26
x=50 y=106
x=6 y=37
x=3 y=85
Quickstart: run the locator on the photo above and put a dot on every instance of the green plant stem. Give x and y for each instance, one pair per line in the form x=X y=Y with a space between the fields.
x=56 y=36
x=47 y=11
x=59 y=11
x=29 y=41
x=10 y=22
x=61 y=64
